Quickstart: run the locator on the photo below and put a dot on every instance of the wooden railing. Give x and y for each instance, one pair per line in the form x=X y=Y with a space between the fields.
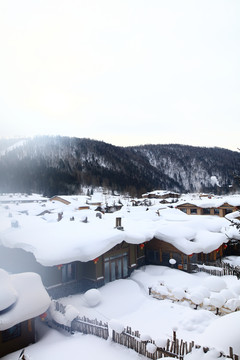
x=220 y=270
x=174 y=347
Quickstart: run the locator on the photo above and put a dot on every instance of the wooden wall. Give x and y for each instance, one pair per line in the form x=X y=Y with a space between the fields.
x=27 y=336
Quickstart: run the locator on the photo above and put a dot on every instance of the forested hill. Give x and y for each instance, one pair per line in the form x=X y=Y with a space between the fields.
x=62 y=165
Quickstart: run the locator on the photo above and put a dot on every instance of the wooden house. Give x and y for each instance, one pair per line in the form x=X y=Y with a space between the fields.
x=226 y=208
x=75 y=277
x=17 y=337
x=196 y=209
x=161 y=194
x=159 y=252
x=25 y=299
x=117 y=263
x=61 y=199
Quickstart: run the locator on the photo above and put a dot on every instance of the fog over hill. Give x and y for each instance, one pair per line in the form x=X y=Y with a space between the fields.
x=62 y=165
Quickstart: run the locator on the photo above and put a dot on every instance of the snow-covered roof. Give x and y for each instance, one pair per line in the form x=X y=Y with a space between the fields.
x=22 y=297
x=159 y=193
x=18 y=197
x=212 y=202
x=54 y=242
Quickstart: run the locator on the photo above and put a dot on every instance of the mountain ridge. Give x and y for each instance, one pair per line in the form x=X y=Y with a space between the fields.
x=55 y=164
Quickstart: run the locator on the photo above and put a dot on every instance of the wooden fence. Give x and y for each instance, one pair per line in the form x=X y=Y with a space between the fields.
x=92 y=327
x=79 y=324
x=220 y=270
x=223 y=310
x=174 y=348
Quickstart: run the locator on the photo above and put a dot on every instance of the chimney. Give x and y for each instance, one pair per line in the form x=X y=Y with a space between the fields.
x=60 y=216
x=119 y=223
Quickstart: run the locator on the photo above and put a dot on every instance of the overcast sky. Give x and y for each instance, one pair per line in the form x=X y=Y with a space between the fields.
x=127 y=72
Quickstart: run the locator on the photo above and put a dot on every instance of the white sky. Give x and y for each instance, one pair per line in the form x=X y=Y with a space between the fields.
x=126 y=72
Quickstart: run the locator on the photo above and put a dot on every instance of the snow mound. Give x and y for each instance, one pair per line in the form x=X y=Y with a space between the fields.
x=217 y=300
x=145 y=337
x=151 y=348
x=236 y=289
x=223 y=333
x=197 y=298
x=178 y=293
x=198 y=354
x=227 y=294
x=71 y=313
x=201 y=290
x=8 y=294
x=214 y=283
x=232 y=304
x=161 y=342
x=162 y=290
x=92 y=297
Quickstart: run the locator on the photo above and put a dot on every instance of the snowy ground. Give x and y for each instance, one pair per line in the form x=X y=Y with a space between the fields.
x=128 y=302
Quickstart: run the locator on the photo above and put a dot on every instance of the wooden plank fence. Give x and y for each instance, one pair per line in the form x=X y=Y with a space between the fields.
x=174 y=348
x=220 y=270
x=92 y=327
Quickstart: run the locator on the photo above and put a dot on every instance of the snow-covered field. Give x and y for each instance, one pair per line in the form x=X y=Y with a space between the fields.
x=128 y=302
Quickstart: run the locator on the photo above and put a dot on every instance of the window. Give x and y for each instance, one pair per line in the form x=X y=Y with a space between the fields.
x=216 y=211
x=11 y=333
x=206 y=211
x=68 y=272
x=193 y=211
x=116 y=267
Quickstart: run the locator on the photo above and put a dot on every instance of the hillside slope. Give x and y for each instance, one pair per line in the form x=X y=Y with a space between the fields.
x=54 y=165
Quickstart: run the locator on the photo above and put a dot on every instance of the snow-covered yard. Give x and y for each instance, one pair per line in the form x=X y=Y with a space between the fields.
x=128 y=302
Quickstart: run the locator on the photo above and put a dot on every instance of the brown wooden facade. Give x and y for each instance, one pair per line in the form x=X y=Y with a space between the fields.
x=223 y=210
x=75 y=277
x=159 y=252
x=17 y=337
x=59 y=198
x=117 y=263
